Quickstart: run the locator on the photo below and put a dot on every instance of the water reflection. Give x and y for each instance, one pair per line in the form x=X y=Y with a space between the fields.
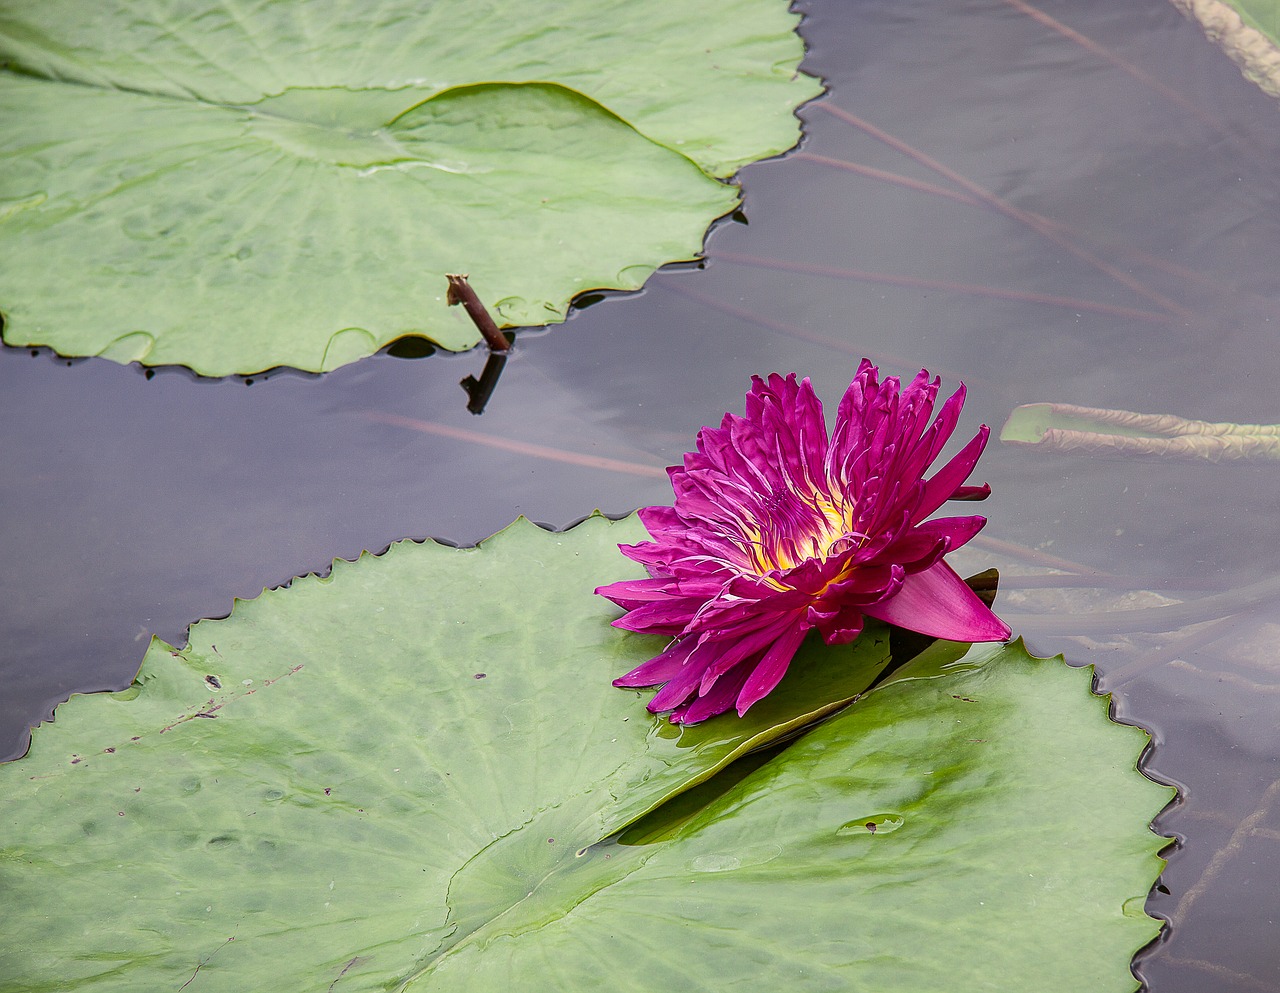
x=480 y=390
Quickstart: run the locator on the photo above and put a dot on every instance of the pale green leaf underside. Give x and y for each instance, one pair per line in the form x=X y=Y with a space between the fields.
x=1248 y=31
x=235 y=189
x=406 y=773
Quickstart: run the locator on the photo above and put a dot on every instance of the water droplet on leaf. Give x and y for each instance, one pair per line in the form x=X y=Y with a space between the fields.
x=872 y=824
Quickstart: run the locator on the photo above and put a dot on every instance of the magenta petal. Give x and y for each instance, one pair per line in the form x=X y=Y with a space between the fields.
x=716 y=700
x=770 y=669
x=666 y=617
x=870 y=584
x=957 y=531
x=917 y=549
x=631 y=593
x=948 y=418
x=972 y=492
x=740 y=648
x=843 y=628
x=682 y=685
x=660 y=668
x=937 y=602
x=948 y=479
x=659 y=519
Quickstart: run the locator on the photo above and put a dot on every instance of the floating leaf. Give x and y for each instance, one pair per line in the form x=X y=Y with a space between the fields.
x=405 y=776
x=1248 y=31
x=374 y=761
x=1066 y=427
x=234 y=190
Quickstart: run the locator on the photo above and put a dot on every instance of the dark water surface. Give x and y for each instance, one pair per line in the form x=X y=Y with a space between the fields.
x=134 y=505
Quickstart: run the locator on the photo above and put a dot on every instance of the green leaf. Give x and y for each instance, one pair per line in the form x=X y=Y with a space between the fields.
x=975 y=824
x=404 y=776
x=1264 y=15
x=236 y=189
x=1066 y=427
x=1248 y=31
x=355 y=774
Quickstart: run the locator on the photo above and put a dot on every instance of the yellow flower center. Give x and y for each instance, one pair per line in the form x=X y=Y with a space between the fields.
x=807 y=529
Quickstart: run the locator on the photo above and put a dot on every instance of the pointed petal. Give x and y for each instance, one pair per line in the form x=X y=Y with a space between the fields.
x=972 y=492
x=660 y=668
x=770 y=669
x=843 y=628
x=684 y=683
x=716 y=700
x=743 y=647
x=957 y=530
x=944 y=424
x=631 y=593
x=948 y=479
x=659 y=519
x=922 y=545
x=667 y=617
x=937 y=602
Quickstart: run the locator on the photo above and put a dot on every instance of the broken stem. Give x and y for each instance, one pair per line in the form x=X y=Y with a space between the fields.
x=460 y=291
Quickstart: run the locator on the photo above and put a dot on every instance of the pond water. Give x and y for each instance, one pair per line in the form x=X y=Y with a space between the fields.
x=134 y=503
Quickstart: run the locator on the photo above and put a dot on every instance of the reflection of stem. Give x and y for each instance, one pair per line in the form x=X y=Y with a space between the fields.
x=460 y=291
x=1151 y=619
x=1018 y=214
x=1035 y=556
x=796 y=331
x=897 y=179
x=1181 y=648
x=1234 y=846
x=885 y=176
x=1167 y=425
x=479 y=390
x=1145 y=78
x=838 y=272
x=519 y=447
x=1072 y=581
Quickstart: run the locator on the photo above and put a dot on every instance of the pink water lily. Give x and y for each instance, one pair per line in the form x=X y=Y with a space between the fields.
x=778 y=528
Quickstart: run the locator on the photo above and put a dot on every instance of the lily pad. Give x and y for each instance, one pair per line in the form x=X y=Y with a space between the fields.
x=1067 y=427
x=410 y=775
x=236 y=189
x=1248 y=31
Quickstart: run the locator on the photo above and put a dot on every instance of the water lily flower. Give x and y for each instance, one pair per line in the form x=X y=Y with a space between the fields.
x=779 y=527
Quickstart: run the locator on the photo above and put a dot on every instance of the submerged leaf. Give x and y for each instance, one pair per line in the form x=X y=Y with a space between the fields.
x=234 y=190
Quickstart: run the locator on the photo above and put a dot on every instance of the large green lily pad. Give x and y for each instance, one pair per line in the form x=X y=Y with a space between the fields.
x=410 y=775
x=233 y=189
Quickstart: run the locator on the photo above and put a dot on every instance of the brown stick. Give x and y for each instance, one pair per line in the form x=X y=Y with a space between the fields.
x=460 y=291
